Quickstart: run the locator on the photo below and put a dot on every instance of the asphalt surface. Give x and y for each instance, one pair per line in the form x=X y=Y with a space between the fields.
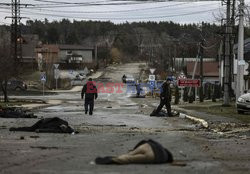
x=119 y=122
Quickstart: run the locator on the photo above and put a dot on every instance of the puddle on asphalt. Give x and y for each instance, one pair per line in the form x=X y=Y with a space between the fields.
x=129 y=105
x=73 y=102
x=57 y=108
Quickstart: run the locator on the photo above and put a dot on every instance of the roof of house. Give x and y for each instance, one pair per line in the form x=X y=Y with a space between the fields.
x=74 y=47
x=209 y=68
x=48 y=48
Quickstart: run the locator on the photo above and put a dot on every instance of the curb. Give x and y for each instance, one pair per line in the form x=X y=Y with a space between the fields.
x=195 y=119
x=183 y=114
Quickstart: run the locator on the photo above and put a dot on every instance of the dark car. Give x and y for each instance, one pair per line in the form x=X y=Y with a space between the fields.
x=128 y=79
x=15 y=84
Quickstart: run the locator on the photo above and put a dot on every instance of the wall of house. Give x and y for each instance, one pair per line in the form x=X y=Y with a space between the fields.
x=211 y=79
x=180 y=62
x=86 y=54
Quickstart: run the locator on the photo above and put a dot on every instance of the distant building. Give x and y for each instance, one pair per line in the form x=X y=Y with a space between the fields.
x=46 y=54
x=29 y=43
x=65 y=54
x=210 y=71
x=181 y=63
x=75 y=54
x=246 y=67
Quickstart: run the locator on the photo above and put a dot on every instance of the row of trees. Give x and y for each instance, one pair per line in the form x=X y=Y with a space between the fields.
x=150 y=41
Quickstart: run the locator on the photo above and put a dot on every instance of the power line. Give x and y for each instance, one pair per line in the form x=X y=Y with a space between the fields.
x=64 y=4
x=120 y=18
x=120 y=11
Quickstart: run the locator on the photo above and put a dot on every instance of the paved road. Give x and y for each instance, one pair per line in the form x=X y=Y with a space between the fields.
x=118 y=123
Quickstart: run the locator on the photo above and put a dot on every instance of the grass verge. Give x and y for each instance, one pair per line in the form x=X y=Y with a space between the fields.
x=217 y=109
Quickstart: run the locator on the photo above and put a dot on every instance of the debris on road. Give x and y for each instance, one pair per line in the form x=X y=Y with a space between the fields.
x=145 y=152
x=144 y=105
x=47 y=125
x=34 y=136
x=44 y=147
x=163 y=113
x=183 y=154
x=15 y=113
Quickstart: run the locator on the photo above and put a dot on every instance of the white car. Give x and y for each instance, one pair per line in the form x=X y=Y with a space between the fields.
x=80 y=76
x=243 y=103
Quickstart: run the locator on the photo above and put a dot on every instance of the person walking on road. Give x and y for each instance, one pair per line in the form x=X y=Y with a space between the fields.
x=165 y=97
x=138 y=89
x=90 y=92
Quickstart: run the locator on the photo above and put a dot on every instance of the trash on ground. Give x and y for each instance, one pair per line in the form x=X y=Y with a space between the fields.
x=145 y=152
x=47 y=125
x=15 y=113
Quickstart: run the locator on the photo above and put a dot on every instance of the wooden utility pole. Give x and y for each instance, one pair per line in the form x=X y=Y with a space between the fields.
x=227 y=55
x=201 y=70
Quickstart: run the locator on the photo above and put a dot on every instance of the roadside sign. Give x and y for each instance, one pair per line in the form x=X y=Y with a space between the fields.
x=56 y=66
x=43 y=77
x=241 y=62
x=86 y=70
x=152 y=70
x=189 y=82
x=152 y=84
x=151 y=77
x=56 y=73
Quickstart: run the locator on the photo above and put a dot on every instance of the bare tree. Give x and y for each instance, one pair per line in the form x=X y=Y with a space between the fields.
x=6 y=62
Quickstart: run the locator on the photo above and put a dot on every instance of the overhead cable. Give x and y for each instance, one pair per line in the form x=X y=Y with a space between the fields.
x=122 y=18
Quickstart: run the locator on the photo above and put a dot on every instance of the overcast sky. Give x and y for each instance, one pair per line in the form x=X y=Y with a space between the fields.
x=117 y=11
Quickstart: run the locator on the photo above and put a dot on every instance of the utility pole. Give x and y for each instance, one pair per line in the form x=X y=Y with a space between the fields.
x=96 y=61
x=226 y=97
x=16 y=39
x=201 y=70
x=232 y=41
x=240 y=54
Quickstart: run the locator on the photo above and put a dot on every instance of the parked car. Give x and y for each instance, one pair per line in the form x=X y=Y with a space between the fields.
x=243 y=103
x=15 y=84
x=129 y=79
x=80 y=76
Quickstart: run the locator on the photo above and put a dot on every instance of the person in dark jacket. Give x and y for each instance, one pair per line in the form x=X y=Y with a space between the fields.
x=165 y=97
x=145 y=152
x=138 y=89
x=90 y=92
